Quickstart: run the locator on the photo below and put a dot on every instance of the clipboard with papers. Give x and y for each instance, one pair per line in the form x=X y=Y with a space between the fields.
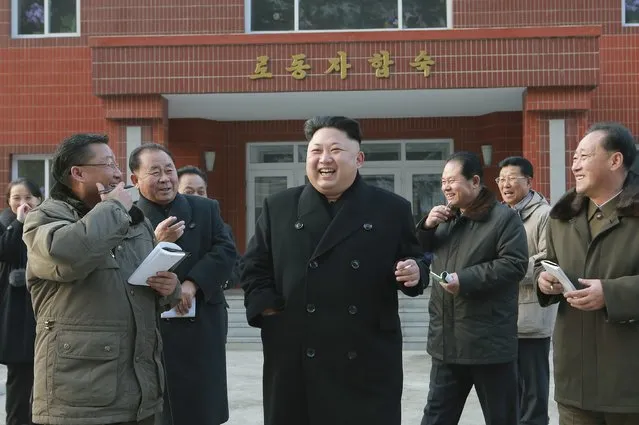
x=559 y=274
x=166 y=256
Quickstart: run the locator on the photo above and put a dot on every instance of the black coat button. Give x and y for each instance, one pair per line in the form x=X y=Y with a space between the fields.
x=352 y=309
x=299 y=225
x=310 y=353
x=313 y=264
x=310 y=308
x=368 y=226
x=352 y=355
x=355 y=264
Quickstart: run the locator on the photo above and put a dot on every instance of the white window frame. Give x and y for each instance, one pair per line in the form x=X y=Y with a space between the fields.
x=14 y=23
x=296 y=170
x=47 y=168
x=296 y=21
x=623 y=16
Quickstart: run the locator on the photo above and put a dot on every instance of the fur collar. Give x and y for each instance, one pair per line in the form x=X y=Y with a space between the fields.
x=572 y=203
x=480 y=208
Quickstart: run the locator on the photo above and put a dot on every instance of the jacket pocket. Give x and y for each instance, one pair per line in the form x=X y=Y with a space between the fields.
x=85 y=369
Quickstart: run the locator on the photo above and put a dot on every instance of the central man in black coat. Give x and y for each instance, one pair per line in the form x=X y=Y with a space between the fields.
x=195 y=353
x=320 y=277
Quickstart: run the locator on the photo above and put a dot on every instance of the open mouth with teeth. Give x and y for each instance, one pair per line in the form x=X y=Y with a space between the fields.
x=326 y=172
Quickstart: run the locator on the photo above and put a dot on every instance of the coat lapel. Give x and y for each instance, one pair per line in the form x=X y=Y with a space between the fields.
x=152 y=211
x=348 y=219
x=581 y=227
x=181 y=209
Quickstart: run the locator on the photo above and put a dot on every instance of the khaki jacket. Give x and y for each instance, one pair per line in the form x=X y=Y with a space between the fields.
x=534 y=321
x=98 y=351
x=595 y=352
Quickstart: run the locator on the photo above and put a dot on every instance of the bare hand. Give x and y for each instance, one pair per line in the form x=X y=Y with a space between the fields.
x=407 y=272
x=549 y=285
x=188 y=297
x=22 y=212
x=163 y=283
x=452 y=287
x=117 y=193
x=587 y=299
x=437 y=215
x=166 y=231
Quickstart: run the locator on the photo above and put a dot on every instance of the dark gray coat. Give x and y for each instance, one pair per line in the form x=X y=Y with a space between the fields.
x=17 y=324
x=333 y=355
x=487 y=248
x=194 y=349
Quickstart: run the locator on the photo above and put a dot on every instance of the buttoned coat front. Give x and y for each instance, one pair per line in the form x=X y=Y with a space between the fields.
x=333 y=354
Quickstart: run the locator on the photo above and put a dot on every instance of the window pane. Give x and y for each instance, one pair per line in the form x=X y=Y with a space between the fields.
x=272 y=15
x=62 y=16
x=269 y=154
x=424 y=13
x=301 y=152
x=345 y=14
x=32 y=169
x=30 y=17
x=266 y=186
x=427 y=151
x=632 y=11
x=382 y=152
x=426 y=194
x=383 y=181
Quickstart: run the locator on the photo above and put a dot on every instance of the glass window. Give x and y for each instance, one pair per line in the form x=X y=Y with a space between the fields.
x=279 y=15
x=427 y=193
x=383 y=181
x=382 y=151
x=266 y=186
x=301 y=152
x=269 y=154
x=420 y=151
x=631 y=12
x=35 y=169
x=45 y=17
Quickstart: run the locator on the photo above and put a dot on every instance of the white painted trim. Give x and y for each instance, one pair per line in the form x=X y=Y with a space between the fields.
x=557 y=158
x=14 y=23
x=400 y=21
x=46 y=161
x=133 y=140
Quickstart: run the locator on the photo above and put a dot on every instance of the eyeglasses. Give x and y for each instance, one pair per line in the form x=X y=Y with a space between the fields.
x=509 y=179
x=111 y=165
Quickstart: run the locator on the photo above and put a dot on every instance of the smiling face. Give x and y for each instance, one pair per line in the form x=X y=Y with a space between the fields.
x=20 y=195
x=458 y=190
x=513 y=185
x=332 y=161
x=156 y=177
x=192 y=184
x=101 y=167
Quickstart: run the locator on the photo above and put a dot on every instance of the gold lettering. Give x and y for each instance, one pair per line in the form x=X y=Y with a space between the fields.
x=339 y=64
x=381 y=62
x=423 y=62
x=261 y=69
x=298 y=67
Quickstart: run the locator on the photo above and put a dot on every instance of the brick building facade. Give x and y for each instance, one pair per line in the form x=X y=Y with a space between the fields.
x=521 y=77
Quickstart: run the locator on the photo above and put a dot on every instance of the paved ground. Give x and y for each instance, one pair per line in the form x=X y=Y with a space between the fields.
x=245 y=393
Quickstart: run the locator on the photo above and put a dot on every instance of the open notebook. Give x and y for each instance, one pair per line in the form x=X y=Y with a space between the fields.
x=165 y=257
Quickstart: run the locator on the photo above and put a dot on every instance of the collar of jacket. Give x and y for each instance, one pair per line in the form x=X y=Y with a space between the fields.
x=536 y=201
x=572 y=203
x=479 y=209
x=7 y=217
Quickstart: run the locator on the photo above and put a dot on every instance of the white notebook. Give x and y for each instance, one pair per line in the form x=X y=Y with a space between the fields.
x=164 y=257
x=559 y=274
x=172 y=314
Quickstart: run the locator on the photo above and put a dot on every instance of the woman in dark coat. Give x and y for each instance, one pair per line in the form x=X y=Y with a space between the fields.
x=17 y=324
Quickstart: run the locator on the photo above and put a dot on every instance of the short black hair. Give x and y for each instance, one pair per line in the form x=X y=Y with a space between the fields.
x=191 y=169
x=31 y=186
x=347 y=125
x=518 y=161
x=618 y=139
x=73 y=150
x=134 y=158
x=471 y=165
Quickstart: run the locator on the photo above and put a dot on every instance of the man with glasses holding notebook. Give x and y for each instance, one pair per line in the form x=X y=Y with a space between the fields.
x=592 y=237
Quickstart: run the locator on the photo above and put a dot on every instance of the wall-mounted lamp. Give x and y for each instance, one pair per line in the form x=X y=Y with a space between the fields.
x=487 y=154
x=209 y=161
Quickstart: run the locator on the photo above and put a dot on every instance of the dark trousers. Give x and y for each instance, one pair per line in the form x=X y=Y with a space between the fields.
x=496 y=386
x=534 y=380
x=19 y=387
x=148 y=421
x=569 y=415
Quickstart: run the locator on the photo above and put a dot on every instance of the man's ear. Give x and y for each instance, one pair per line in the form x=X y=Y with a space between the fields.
x=134 y=179
x=476 y=181
x=77 y=174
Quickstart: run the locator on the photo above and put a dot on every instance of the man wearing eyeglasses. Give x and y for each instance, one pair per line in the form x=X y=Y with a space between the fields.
x=98 y=352
x=535 y=323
